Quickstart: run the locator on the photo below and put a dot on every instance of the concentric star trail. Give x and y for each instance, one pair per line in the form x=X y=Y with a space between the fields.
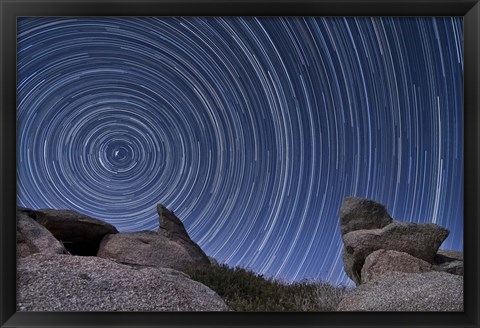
x=252 y=129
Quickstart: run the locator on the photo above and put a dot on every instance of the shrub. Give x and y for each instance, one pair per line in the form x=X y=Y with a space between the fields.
x=243 y=290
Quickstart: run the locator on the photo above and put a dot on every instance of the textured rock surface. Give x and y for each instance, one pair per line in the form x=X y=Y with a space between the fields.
x=383 y=262
x=170 y=247
x=171 y=227
x=359 y=214
x=448 y=255
x=169 y=224
x=419 y=240
x=430 y=291
x=449 y=261
x=79 y=283
x=32 y=237
x=80 y=234
x=147 y=248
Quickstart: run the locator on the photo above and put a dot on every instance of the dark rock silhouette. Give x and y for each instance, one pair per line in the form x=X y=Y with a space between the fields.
x=170 y=247
x=81 y=283
x=79 y=233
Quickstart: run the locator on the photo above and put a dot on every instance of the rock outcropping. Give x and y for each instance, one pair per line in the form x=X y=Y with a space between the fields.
x=49 y=278
x=79 y=233
x=169 y=247
x=398 y=291
x=383 y=262
x=362 y=214
x=33 y=238
x=379 y=232
x=87 y=283
x=419 y=240
x=396 y=265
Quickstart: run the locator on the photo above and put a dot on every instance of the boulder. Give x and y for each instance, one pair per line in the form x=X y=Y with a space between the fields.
x=419 y=240
x=170 y=247
x=79 y=233
x=32 y=237
x=171 y=227
x=360 y=214
x=449 y=261
x=169 y=224
x=383 y=262
x=148 y=249
x=398 y=291
x=81 y=283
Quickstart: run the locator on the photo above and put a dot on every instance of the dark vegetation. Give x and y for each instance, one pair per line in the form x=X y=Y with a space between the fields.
x=244 y=290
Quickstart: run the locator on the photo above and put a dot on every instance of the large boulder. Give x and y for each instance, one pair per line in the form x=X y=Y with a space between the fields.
x=449 y=261
x=398 y=291
x=32 y=237
x=148 y=249
x=360 y=214
x=383 y=262
x=170 y=247
x=79 y=233
x=419 y=240
x=80 y=283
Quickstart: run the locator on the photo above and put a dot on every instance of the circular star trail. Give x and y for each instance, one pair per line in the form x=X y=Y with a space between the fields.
x=252 y=130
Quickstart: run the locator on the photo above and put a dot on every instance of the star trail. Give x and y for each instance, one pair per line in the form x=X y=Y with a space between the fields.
x=251 y=129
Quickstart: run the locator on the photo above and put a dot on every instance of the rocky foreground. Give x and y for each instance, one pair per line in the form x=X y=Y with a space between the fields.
x=68 y=261
x=397 y=266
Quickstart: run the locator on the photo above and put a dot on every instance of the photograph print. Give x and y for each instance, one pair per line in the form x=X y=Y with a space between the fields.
x=247 y=164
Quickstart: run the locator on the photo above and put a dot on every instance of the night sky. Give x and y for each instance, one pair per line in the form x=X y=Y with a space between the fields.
x=252 y=130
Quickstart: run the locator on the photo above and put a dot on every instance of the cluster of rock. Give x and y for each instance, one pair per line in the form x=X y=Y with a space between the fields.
x=68 y=261
x=397 y=266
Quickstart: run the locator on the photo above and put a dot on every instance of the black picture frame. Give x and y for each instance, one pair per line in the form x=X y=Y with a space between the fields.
x=10 y=10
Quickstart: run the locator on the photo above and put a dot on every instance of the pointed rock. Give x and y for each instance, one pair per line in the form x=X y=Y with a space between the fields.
x=169 y=223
